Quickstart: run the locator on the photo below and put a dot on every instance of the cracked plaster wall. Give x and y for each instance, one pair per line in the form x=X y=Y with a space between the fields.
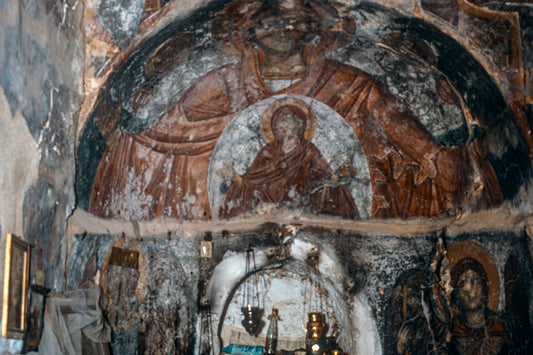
x=41 y=75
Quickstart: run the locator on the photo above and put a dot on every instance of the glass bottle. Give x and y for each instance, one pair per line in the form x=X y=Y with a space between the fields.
x=271 y=342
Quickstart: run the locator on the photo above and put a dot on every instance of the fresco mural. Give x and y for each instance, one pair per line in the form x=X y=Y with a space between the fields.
x=123 y=278
x=407 y=330
x=159 y=121
x=145 y=312
x=426 y=294
x=161 y=127
x=456 y=309
x=323 y=110
x=475 y=327
x=345 y=117
x=289 y=170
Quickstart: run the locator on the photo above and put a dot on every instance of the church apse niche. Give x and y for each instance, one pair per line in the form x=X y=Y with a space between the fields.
x=283 y=106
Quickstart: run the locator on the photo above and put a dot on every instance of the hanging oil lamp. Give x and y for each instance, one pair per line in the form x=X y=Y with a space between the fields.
x=251 y=310
x=316 y=327
x=336 y=351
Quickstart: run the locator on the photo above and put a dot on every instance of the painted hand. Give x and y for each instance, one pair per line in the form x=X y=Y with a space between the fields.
x=402 y=339
x=428 y=169
x=227 y=172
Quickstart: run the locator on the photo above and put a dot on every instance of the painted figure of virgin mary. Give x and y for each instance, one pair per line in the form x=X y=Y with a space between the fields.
x=289 y=170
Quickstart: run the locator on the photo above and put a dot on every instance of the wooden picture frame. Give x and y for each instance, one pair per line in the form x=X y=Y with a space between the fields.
x=36 y=301
x=16 y=272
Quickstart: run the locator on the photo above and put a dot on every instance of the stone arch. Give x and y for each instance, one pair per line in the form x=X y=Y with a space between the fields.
x=358 y=334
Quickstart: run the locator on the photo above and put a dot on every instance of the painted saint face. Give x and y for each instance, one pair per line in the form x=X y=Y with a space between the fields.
x=410 y=298
x=470 y=290
x=286 y=34
x=289 y=128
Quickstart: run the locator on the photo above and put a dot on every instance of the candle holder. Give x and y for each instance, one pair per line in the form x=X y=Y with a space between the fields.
x=316 y=326
x=252 y=319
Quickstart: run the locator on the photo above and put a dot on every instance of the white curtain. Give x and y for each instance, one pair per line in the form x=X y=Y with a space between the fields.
x=74 y=324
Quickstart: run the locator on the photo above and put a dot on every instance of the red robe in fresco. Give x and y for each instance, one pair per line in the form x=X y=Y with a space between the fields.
x=295 y=179
x=491 y=339
x=162 y=172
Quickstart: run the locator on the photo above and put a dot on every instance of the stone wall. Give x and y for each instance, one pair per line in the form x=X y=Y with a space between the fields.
x=40 y=93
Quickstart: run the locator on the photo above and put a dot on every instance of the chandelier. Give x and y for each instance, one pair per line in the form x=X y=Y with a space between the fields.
x=251 y=308
x=316 y=327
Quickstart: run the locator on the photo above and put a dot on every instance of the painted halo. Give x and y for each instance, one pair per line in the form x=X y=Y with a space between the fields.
x=468 y=249
x=266 y=119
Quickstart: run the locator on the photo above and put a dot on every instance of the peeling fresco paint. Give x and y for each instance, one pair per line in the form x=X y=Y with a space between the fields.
x=410 y=58
x=342 y=257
